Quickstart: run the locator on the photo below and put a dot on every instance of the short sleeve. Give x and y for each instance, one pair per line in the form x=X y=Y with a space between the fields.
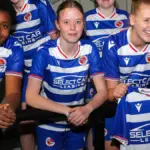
x=16 y=60
x=96 y=67
x=39 y=64
x=110 y=60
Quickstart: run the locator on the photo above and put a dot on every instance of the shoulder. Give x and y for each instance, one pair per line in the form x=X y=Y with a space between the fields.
x=85 y=42
x=47 y=46
x=90 y=12
x=114 y=42
x=123 y=12
x=13 y=44
x=88 y=47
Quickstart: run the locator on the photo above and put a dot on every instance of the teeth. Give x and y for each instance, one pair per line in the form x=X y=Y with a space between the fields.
x=148 y=32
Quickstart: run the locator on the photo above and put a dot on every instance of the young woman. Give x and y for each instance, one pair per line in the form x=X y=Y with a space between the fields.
x=126 y=53
x=62 y=67
x=101 y=22
x=11 y=65
x=33 y=21
x=105 y=20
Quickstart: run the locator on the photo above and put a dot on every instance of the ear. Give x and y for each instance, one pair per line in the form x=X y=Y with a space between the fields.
x=132 y=19
x=57 y=25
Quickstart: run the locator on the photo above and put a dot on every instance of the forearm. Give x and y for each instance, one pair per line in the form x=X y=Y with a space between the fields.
x=98 y=100
x=13 y=100
x=40 y=102
x=110 y=94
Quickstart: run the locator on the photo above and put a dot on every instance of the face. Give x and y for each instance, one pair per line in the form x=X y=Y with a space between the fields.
x=70 y=24
x=105 y=3
x=5 y=24
x=141 y=24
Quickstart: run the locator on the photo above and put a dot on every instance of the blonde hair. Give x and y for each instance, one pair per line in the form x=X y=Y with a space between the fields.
x=136 y=5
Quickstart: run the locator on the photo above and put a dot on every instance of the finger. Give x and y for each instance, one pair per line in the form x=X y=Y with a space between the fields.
x=4 y=124
x=5 y=117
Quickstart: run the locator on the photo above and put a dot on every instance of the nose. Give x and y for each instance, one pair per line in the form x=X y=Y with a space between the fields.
x=72 y=26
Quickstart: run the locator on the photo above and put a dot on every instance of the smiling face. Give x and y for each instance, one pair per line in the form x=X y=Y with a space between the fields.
x=70 y=24
x=105 y=3
x=141 y=23
x=5 y=24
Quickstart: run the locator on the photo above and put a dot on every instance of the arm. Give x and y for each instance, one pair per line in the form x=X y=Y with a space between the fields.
x=34 y=85
x=79 y=115
x=12 y=101
x=116 y=90
x=35 y=100
x=12 y=91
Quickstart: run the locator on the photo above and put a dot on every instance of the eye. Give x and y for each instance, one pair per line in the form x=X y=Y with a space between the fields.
x=147 y=20
x=78 y=22
x=66 y=22
x=5 y=26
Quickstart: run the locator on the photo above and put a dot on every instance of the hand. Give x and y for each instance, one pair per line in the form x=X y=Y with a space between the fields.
x=79 y=115
x=120 y=90
x=7 y=116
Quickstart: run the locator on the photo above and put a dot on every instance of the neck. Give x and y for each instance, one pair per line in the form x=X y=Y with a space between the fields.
x=136 y=40
x=106 y=11
x=19 y=5
x=69 y=49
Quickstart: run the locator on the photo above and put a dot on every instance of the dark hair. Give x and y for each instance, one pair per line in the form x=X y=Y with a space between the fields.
x=136 y=4
x=6 y=6
x=69 y=4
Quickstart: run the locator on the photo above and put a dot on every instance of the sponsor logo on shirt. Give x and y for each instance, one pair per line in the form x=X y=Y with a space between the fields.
x=119 y=24
x=140 y=134
x=50 y=142
x=28 y=38
x=139 y=82
x=69 y=82
x=28 y=16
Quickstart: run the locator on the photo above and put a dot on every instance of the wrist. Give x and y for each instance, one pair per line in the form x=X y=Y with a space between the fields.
x=67 y=112
x=89 y=108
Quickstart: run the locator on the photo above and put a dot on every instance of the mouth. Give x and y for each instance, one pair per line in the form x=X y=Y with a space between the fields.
x=72 y=34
